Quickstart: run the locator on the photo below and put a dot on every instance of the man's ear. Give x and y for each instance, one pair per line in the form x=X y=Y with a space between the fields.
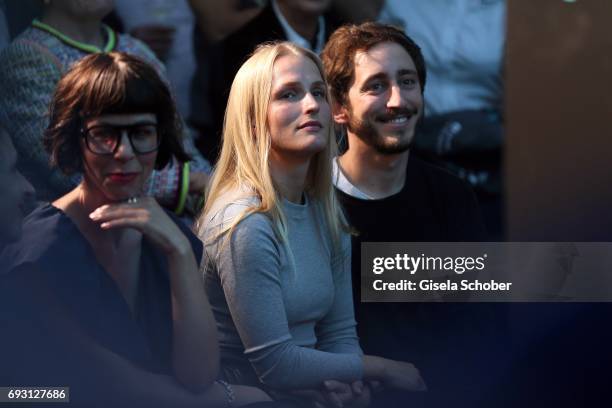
x=340 y=113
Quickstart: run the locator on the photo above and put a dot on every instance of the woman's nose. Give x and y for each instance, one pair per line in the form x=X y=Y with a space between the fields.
x=311 y=104
x=124 y=149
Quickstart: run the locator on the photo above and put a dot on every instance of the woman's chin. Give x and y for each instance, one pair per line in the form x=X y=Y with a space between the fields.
x=313 y=145
x=317 y=146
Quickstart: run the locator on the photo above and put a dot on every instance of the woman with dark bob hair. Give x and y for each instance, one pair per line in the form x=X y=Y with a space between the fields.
x=113 y=83
x=107 y=280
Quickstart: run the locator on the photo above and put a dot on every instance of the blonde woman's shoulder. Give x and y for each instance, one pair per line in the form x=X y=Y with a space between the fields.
x=226 y=208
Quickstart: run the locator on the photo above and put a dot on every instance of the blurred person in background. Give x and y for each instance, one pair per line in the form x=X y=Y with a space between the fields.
x=30 y=68
x=358 y=11
x=15 y=190
x=166 y=26
x=463 y=44
x=5 y=37
x=306 y=23
x=215 y=20
x=19 y=14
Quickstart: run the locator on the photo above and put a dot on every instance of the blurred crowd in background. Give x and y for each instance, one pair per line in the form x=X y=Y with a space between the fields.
x=197 y=46
x=200 y=44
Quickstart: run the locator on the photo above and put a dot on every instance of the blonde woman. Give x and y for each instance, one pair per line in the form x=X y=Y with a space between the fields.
x=277 y=270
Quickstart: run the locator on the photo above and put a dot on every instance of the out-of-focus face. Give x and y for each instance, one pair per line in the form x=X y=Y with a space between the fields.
x=14 y=192
x=385 y=101
x=84 y=9
x=120 y=174
x=308 y=6
x=299 y=115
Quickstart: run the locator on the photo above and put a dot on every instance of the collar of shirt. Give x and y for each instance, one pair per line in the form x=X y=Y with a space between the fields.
x=463 y=42
x=294 y=37
x=343 y=184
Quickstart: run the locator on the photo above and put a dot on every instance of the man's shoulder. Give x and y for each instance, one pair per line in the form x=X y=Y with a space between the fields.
x=435 y=176
x=47 y=238
x=453 y=199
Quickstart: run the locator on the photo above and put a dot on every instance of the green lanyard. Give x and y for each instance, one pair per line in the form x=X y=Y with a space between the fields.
x=110 y=44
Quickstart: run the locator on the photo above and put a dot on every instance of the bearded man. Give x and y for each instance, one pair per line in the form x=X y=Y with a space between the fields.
x=377 y=77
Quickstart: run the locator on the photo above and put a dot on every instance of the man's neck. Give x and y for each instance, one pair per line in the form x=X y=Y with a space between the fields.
x=376 y=175
x=85 y=31
x=303 y=24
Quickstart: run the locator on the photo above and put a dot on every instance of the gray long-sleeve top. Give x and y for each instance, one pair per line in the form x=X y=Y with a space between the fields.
x=293 y=321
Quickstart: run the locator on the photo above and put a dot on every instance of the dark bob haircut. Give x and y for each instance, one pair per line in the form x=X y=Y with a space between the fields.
x=109 y=83
x=338 y=56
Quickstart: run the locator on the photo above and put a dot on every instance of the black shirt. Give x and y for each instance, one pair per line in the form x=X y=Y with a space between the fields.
x=433 y=206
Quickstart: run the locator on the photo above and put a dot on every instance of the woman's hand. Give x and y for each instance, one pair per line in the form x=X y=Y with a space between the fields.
x=146 y=216
x=333 y=394
x=336 y=394
x=404 y=376
x=248 y=395
x=195 y=350
x=393 y=374
x=362 y=396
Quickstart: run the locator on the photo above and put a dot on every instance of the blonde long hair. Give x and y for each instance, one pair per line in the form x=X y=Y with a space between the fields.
x=243 y=161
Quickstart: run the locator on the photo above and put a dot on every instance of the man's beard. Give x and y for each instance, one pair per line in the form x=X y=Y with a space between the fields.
x=366 y=131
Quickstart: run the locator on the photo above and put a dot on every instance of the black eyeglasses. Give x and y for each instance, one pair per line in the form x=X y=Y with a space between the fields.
x=105 y=139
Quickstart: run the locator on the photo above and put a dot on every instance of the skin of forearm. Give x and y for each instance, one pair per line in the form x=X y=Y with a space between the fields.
x=195 y=347
x=373 y=368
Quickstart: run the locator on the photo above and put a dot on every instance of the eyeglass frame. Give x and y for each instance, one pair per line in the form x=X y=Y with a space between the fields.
x=122 y=129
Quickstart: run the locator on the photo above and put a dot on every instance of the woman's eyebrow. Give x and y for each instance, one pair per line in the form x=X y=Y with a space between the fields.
x=136 y=123
x=291 y=84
